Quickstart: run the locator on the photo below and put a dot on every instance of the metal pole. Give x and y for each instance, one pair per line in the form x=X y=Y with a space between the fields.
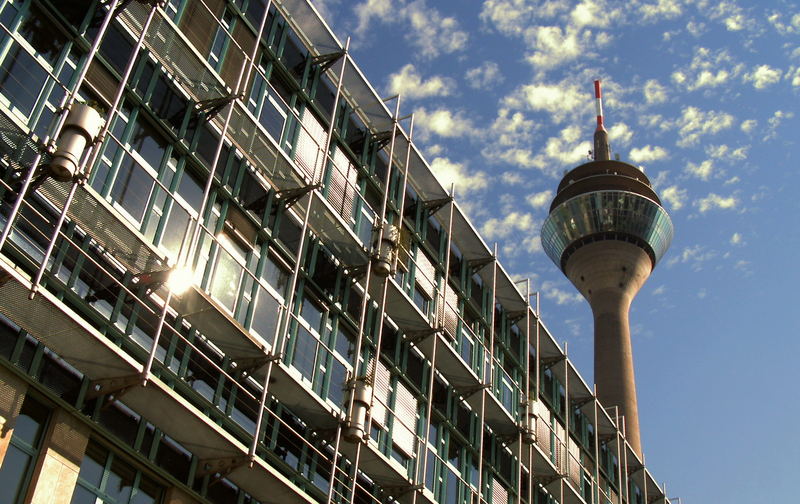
x=371 y=373
x=94 y=153
x=60 y=119
x=487 y=386
x=439 y=324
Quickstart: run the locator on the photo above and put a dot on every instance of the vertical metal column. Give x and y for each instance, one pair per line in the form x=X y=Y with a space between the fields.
x=371 y=373
x=596 y=442
x=488 y=386
x=438 y=325
x=59 y=124
x=526 y=404
x=91 y=157
x=203 y=207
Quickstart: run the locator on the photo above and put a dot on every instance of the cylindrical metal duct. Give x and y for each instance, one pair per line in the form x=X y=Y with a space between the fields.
x=82 y=126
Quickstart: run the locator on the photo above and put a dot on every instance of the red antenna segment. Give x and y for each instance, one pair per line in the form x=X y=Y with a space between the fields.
x=598 y=103
x=601 y=149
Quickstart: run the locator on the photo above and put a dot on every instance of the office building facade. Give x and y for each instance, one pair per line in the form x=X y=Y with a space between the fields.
x=229 y=276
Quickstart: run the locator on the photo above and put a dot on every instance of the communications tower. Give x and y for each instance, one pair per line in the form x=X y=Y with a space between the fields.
x=606 y=231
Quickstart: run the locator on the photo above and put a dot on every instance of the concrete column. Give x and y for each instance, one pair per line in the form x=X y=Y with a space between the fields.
x=175 y=495
x=12 y=393
x=609 y=274
x=57 y=469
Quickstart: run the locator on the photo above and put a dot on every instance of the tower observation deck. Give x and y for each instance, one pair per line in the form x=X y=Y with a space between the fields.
x=606 y=231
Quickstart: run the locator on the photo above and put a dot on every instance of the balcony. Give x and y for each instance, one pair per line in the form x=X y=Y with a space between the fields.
x=113 y=370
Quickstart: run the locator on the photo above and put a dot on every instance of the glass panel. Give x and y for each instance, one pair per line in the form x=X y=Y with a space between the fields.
x=21 y=78
x=120 y=481
x=132 y=188
x=227 y=273
x=304 y=352
x=13 y=471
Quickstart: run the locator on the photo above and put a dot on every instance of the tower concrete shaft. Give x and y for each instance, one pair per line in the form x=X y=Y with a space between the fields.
x=609 y=274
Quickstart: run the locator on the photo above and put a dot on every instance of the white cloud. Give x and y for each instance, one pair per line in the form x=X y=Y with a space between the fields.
x=708 y=69
x=449 y=172
x=409 y=83
x=654 y=92
x=675 y=196
x=731 y=15
x=661 y=9
x=553 y=46
x=508 y=16
x=736 y=239
x=511 y=222
x=647 y=154
x=763 y=76
x=443 y=122
x=511 y=178
x=703 y=171
x=540 y=199
x=748 y=125
x=785 y=28
x=794 y=74
x=694 y=255
x=775 y=121
x=560 y=100
x=552 y=291
x=715 y=201
x=660 y=290
x=695 y=123
x=726 y=153
x=620 y=133
x=432 y=32
x=484 y=76
x=369 y=10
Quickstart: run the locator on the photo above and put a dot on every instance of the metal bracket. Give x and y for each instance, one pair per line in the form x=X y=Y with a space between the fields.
x=433 y=206
x=357 y=271
x=327 y=60
x=113 y=388
x=382 y=139
x=291 y=196
x=516 y=316
x=581 y=402
x=222 y=466
x=214 y=106
x=417 y=336
x=552 y=361
x=552 y=479
x=247 y=365
x=478 y=264
x=471 y=390
x=399 y=490
x=634 y=469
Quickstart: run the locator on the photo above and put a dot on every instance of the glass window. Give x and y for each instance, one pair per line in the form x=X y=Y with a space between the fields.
x=105 y=477
x=227 y=272
x=132 y=188
x=221 y=41
x=23 y=449
x=21 y=79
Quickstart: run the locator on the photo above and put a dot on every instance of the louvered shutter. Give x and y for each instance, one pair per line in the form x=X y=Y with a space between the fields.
x=342 y=187
x=383 y=389
x=426 y=274
x=403 y=430
x=310 y=142
x=499 y=493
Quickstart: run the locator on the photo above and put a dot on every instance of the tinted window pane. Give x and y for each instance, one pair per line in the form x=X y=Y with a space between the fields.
x=12 y=473
x=20 y=79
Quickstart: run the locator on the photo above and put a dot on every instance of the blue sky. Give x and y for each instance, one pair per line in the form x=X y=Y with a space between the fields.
x=703 y=95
